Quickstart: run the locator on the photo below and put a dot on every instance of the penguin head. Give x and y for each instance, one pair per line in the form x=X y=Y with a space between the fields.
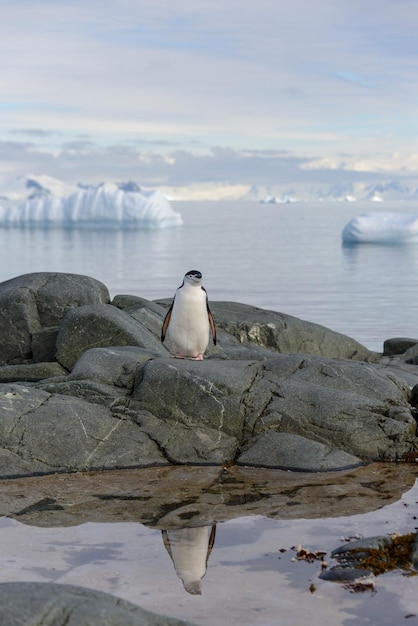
x=193 y=277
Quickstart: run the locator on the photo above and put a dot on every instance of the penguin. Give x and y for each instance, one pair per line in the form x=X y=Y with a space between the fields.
x=189 y=319
x=189 y=549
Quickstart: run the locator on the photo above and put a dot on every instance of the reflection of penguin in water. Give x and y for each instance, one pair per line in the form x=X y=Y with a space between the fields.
x=189 y=318
x=189 y=549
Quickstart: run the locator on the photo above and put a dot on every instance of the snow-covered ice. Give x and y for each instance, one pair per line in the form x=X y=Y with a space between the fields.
x=381 y=227
x=105 y=206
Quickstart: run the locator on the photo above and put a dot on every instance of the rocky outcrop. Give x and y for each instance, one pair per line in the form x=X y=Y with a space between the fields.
x=43 y=604
x=102 y=392
x=101 y=325
x=284 y=333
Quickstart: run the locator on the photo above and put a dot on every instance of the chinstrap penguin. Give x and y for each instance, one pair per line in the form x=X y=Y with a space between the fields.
x=189 y=319
x=189 y=549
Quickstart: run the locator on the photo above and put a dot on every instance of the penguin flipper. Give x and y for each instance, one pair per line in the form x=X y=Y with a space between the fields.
x=167 y=544
x=212 y=326
x=210 y=316
x=211 y=542
x=166 y=322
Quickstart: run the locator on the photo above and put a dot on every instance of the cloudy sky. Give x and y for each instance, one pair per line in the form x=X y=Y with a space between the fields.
x=182 y=93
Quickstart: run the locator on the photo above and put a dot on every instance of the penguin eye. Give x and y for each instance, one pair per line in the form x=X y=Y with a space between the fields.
x=194 y=274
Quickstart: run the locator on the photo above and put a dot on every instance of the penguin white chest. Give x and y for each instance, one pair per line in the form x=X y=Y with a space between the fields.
x=189 y=324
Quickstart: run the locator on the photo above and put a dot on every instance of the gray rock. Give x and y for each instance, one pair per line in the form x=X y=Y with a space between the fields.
x=101 y=375
x=30 y=373
x=33 y=302
x=146 y=312
x=397 y=345
x=357 y=407
x=101 y=325
x=353 y=548
x=284 y=333
x=277 y=391
x=133 y=303
x=122 y=408
x=49 y=604
x=43 y=344
x=411 y=355
x=112 y=366
x=195 y=393
x=186 y=444
x=293 y=452
x=89 y=390
x=345 y=574
x=62 y=433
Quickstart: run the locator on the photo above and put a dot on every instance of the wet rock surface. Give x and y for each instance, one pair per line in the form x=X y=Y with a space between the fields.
x=276 y=392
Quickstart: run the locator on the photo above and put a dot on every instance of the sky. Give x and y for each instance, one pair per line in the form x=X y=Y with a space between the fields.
x=180 y=94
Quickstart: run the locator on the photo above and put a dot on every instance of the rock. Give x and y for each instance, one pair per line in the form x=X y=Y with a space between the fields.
x=134 y=303
x=62 y=433
x=284 y=333
x=397 y=345
x=124 y=407
x=184 y=443
x=293 y=452
x=353 y=548
x=373 y=555
x=194 y=393
x=100 y=325
x=345 y=574
x=43 y=344
x=146 y=312
x=411 y=355
x=30 y=373
x=276 y=392
x=112 y=366
x=32 y=303
x=42 y=604
x=360 y=408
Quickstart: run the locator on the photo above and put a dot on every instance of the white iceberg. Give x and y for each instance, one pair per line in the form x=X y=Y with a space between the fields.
x=381 y=227
x=18 y=189
x=104 y=206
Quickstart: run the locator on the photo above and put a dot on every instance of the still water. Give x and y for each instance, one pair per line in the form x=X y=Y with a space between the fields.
x=125 y=534
x=285 y=257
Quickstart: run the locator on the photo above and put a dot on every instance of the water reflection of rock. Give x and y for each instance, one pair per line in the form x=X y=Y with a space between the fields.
x=185 y=497
x=189 y=549
x=372 y=556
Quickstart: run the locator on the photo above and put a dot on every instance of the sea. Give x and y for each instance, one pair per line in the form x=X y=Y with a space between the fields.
x=283 y=257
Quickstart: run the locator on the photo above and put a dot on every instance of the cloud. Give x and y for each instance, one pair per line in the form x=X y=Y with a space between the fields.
x=218 y=167
x=155 y=85
x=35 y=132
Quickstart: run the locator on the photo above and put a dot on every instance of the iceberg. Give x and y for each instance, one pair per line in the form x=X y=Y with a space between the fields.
x=381 y=227
x=104 y=206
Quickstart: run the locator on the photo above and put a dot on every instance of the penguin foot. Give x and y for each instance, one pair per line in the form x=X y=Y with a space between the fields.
x=199 y=357
x=179 y=356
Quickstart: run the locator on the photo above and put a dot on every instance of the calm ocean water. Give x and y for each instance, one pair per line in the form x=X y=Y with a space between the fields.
x=285 y=257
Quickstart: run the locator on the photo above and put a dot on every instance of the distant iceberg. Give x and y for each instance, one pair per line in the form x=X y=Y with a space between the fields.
x=104 y=206
x=380 y=227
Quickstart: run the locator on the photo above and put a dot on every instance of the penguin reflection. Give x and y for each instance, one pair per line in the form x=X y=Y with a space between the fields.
x=189 y=549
